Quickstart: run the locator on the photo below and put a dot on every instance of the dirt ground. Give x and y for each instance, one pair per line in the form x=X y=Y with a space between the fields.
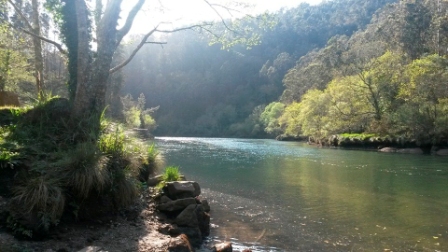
x=135 y=230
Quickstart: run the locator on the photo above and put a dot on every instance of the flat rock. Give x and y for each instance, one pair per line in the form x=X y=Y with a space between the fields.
x=442 y=152
x=388 y=149
x=410 y=150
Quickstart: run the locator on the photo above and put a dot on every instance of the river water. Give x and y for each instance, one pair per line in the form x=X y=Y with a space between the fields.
x=288 y=196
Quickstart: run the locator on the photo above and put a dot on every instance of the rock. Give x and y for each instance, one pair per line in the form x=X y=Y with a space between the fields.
x=205 y=205
x=153 y=181
x=187 y=217
x=223 y=247
x=180 y=244
x=387 y=149
x=176 y=205
x=247 y=250
x=182 y=189
x=90 y=249
x=410 y=150
x=194 y=235
x=442 y=152
x=203 y=221
x=164 y=199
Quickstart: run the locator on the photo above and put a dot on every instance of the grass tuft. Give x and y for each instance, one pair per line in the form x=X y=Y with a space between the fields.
x=171 y=174
x=41 y=197
x=84 y=170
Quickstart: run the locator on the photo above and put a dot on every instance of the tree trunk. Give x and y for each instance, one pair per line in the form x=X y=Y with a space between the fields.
x=38 y=58
x=90 y=97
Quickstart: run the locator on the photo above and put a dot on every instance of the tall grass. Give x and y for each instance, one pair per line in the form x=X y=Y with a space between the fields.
x=42 y=197
x=69 y=161
x=83 y=169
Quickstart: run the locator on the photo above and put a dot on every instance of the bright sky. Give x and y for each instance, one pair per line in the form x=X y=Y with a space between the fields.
x=180 y=12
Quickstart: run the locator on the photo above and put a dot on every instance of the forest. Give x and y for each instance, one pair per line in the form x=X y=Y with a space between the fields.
x=77 y=90
x=372 y=67
x=342 y=66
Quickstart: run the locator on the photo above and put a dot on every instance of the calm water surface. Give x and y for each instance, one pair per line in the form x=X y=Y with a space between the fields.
x=284 y=196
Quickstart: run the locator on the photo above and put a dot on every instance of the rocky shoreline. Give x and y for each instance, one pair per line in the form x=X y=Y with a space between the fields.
x=381 y=144
x=175 y=219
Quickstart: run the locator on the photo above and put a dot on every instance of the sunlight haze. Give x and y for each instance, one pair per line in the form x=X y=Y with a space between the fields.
x=177 y=13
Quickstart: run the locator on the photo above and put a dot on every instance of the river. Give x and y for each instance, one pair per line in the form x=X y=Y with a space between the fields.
x=288 y=196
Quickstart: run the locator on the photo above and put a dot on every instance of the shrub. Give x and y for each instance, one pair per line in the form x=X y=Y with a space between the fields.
x=38 y=202
x=83 y=169
x=113 y=143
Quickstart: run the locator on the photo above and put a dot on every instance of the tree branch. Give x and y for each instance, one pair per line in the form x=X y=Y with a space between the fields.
x=27 y=23
x=139 y=46
x=22 y=16
x=144 y=41
x=130 y=19
x=185 y=28
x=219 y=15
x=156 y=43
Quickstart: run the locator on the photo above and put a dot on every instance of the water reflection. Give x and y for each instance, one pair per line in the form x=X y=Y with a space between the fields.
x=290 y=196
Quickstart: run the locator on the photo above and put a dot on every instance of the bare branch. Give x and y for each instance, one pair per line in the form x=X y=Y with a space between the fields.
x=157 y=43
x=130 y=19
x=144 y=41
x=185 y=28
x=139 y=46
x=22 y=16
x=56 y=44
x=219 y=15
x=27 y=23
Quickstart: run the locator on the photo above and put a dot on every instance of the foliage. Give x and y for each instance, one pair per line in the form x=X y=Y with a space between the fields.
x=270 y=117
x=136 y=115
x=41 y=196
x=171 y=174
x=56 y=170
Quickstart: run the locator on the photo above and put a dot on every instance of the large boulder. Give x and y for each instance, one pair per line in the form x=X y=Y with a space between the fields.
x=182 y=189
x=188 y=217
x=194 y=222
x=176 y=205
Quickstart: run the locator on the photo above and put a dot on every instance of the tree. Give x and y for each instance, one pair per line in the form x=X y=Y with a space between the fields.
x=314 y=114
x=34 y=28
x=424 y=93
x=348 y=110
x=270 y=117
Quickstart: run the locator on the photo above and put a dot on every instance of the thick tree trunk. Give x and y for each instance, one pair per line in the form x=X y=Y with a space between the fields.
x=90 y=97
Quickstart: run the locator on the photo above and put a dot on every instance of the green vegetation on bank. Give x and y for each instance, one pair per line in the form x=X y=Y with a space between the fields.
x=53 y=168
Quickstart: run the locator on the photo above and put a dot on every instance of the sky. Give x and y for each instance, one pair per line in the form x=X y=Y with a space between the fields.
x=180 y=12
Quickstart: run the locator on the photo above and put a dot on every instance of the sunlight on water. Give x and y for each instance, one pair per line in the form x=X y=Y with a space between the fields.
x=285 y=196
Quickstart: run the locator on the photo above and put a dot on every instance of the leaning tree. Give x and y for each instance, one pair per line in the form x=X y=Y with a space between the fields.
x=84 y=28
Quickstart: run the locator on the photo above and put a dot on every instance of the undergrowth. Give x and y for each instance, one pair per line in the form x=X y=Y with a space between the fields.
x=57 y=165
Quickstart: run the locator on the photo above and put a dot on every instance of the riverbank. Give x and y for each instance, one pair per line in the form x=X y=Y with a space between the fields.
x=371 y=142
x=139 y=228
x=135 y=229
